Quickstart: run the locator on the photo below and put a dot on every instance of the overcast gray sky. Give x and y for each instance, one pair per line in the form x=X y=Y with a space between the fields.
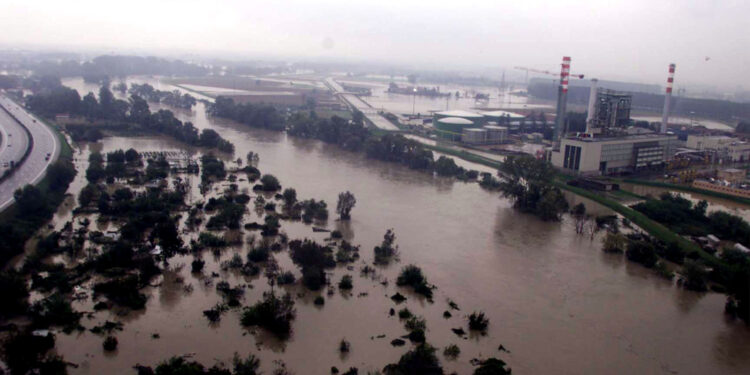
x=633 y=39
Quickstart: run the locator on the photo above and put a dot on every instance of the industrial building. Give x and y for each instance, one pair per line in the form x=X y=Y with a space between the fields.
x=607 y=147
x=455 y=125
x=452 y=128
x=610 y=112
x=486 y=135
x=610 y=155
x=725 y=148
x=732 y=175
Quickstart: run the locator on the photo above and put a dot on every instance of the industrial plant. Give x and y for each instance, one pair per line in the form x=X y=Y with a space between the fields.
x=475 y=128
x=609 y=145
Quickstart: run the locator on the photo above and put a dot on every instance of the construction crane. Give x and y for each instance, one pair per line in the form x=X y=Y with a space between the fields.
x=547 y=72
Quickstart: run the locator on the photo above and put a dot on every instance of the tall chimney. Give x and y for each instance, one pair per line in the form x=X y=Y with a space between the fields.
x=667 y=99
x=562 y=97
x=592 y=106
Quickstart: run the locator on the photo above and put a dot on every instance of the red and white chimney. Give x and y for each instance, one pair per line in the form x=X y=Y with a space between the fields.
x=564 y=73
x=562 y=97
x=667 y=99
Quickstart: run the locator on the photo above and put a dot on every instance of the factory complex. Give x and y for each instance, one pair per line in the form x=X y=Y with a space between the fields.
x=476 y=128
x=613 y=155
x=609 y=145
x=607 y=142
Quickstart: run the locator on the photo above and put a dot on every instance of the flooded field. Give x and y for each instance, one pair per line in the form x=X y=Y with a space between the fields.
x=554 y=299
x=216 y=91
x=406 y=104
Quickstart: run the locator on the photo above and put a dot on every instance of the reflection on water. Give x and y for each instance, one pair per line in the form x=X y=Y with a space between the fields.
x=554 y=299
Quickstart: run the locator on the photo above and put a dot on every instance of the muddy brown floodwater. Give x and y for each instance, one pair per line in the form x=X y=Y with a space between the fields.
x=554 y=299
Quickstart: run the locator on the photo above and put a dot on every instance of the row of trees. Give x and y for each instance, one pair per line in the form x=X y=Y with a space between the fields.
x=335 y=130
x=731 y=275
x=683 y=217
x=172 y=98
x=106 y=66
x=32 y=208
x=528 y=182
x=354 y=136
x=60 y=99
x=259 y=116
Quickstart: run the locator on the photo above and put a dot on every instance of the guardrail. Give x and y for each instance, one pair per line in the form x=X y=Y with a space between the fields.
x=30 y=145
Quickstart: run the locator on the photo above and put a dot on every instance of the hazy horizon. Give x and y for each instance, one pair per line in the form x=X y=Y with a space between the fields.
x=633 y=41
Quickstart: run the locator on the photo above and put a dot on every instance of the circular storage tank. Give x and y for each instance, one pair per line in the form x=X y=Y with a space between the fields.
x=452 y=127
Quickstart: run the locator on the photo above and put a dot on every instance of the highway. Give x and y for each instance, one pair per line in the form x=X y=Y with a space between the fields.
x=14 y=141
x=356 y=102
x=45 y=143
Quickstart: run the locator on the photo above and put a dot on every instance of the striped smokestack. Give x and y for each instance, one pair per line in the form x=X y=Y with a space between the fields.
x=564 y=73
x=667 y=99
x=562 y=98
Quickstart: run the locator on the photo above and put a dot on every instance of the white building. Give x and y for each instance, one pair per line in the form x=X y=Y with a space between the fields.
x=609 y=155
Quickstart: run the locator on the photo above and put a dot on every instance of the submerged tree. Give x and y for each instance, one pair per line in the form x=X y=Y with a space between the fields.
x=314 y=259
x=420 y=360
x=345 y=204
x=412 y=276
x=272 y=313
x=492 y=366
x=528 y=182
x=387 y=248
x=579 y=214
x=290 y=197
x=245 y=366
